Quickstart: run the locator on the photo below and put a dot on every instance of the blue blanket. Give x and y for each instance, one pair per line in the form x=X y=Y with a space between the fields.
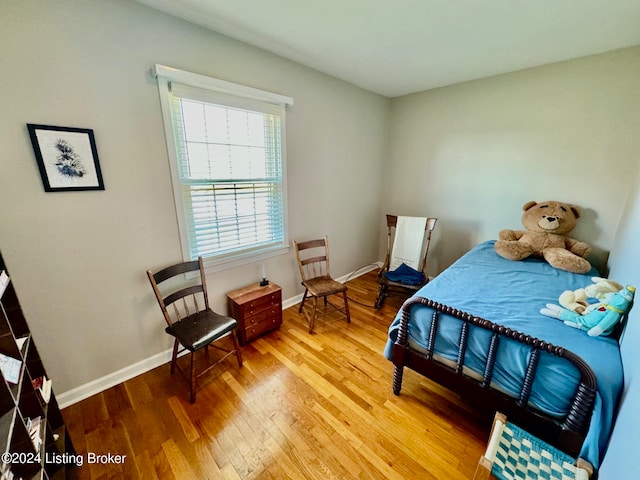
x=512 y=293
x=405 y=274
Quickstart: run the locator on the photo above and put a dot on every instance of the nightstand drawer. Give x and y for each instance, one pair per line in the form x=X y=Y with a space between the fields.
x=272 y=312
x=263 y=303
x=253 y=331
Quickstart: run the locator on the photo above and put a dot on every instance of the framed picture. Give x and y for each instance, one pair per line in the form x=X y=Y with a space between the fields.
x=67 y=158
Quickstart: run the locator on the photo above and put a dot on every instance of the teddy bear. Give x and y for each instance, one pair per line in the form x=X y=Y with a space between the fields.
x=601 y=319
x=576 y=300
x=546 y=225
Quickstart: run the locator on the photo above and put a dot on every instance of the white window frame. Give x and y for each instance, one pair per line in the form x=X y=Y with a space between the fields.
x=165 y=75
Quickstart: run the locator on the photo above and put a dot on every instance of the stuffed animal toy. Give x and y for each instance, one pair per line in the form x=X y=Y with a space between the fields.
x=546 y=224
x=601 y=287
x=601 y=319
x=576 y=300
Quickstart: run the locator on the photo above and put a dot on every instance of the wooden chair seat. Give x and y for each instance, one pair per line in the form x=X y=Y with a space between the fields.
x=384 y=281
x=323 y=286
x=200 y=329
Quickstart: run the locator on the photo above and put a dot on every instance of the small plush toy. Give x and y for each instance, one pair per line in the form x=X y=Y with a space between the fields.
x=576 y=300
x=546 y=224
x=599 y=320
x=601 y=287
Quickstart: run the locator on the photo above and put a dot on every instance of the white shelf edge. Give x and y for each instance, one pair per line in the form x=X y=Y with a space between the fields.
x=4 y=281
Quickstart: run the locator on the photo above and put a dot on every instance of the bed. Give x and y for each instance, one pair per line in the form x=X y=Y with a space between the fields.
x=490 y=344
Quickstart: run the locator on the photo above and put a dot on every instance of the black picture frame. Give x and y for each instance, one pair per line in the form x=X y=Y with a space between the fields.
x=67 y=158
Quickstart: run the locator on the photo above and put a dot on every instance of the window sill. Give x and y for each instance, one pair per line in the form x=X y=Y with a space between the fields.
x=218 y=264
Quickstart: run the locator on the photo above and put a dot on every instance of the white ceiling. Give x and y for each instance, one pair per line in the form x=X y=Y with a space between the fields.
x=396 y=47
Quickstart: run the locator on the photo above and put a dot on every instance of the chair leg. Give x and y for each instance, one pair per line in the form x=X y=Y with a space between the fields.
x=586 y=466
x=304 y=298
x=382 y=293
x=312 y=318
x=346 y=306
x=192 y=379
x=483 y=470
x=237 y=347
x=174 y=357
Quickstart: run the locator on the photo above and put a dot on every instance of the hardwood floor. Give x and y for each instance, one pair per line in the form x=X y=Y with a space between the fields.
x=302 y=407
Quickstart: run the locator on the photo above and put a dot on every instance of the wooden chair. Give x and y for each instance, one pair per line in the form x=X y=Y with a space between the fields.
x=388 y=288
x=190 y=321
x=513 y=453
x=313 y=261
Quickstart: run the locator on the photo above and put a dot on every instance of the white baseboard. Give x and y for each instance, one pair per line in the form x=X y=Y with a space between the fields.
x=98 y=385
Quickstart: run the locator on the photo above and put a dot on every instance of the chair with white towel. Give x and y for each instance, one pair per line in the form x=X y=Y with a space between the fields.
x=405 y=266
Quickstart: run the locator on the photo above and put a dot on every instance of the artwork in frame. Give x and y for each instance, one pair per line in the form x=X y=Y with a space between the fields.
x=67 y=158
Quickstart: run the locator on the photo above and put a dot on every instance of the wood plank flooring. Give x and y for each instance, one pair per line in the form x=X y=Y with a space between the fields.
x=302 y=407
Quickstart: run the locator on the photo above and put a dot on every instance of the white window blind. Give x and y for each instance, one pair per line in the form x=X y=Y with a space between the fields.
x=229 y=177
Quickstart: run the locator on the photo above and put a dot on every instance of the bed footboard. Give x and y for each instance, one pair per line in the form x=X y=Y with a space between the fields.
x=566 y=433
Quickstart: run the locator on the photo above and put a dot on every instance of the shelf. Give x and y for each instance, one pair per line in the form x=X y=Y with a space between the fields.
x=6 y=421
x=21 y=401
x=4 y=281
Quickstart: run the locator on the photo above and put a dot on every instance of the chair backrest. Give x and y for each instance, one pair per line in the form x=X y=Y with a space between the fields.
x=182 y=295
x=313 y=258
x=392 y=222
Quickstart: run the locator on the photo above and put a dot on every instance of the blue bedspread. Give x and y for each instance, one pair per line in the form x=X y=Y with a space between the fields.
x=512 y=293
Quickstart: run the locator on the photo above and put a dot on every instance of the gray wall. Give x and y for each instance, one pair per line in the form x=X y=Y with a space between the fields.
x=78 y=259
x=618 y=463
x=472 y=154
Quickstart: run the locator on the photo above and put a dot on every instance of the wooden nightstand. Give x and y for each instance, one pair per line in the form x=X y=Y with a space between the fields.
x=257 y=309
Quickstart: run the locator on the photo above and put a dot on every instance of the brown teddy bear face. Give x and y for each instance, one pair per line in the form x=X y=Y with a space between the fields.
x=550 y=217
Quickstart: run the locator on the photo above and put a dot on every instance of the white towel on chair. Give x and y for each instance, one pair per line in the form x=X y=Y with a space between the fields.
x=408 y=241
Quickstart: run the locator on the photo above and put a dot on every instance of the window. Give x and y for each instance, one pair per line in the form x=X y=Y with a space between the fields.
x=226 y=147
